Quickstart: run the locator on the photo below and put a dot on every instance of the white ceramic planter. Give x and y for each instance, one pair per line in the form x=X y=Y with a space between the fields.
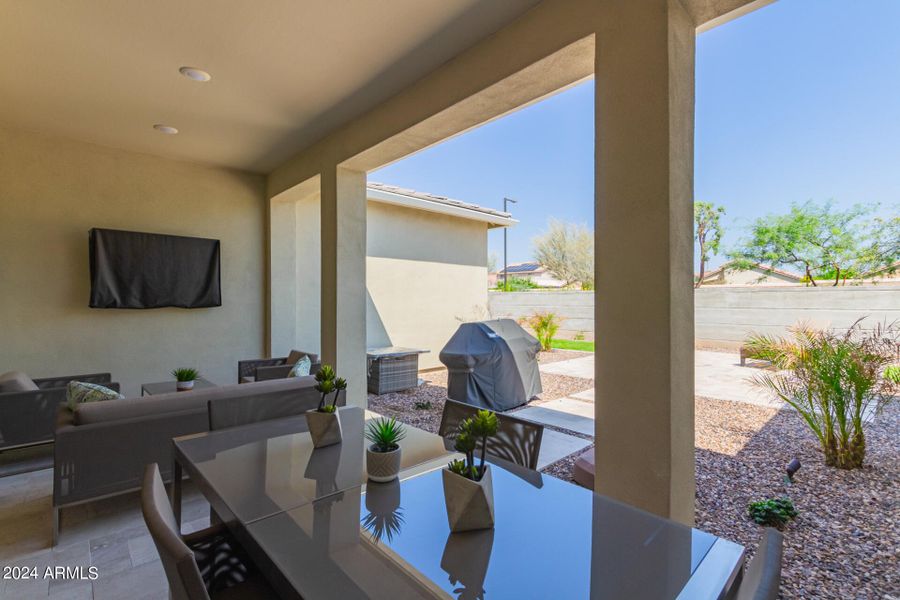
x=383 y=466
x=470 y=504
x=324 y=428
x=183 y=386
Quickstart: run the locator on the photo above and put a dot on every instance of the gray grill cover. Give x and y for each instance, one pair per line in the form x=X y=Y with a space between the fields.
x=492 y=364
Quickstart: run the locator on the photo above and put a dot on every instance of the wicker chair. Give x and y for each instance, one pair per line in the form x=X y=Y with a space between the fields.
x=29 y=417
x=260 y=369
x=517 y=441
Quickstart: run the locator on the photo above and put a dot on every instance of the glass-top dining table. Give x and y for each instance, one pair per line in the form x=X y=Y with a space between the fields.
x=316 y=528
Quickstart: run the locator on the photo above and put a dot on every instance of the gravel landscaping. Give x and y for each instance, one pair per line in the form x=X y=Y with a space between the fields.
x=845 y=542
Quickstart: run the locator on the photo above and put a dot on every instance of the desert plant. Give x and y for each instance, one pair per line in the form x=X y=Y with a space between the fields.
x=834 y=382
x=774 y=512
x=327 y=382
x=545 y=326
x=472 y=431
x=385 y=434
x=426 y=405
x=185 y=374
x=892 y=374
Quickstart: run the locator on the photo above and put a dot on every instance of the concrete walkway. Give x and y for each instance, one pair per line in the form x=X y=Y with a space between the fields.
x=718 y=375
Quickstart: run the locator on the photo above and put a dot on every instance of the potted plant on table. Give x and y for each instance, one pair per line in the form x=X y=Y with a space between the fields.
x=383 y=456
x=324 y=421
x=184 y=378
x=468 y=488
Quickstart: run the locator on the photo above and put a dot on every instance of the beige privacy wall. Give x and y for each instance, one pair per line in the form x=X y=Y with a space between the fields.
x=425 y=274
x=52 y=191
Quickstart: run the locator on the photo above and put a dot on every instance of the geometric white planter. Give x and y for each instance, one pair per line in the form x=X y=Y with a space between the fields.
x=324 y=428
x=470 y=504
x=383 y=466
x=183 y=386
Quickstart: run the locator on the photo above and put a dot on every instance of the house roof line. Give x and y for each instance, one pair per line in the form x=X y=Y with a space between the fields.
x=760 y=266
x=390 y=194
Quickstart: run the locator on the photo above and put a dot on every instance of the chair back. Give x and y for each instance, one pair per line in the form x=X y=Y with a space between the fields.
x=517 y=441
x=762 y=579
x=263 y=401
x=185 y=581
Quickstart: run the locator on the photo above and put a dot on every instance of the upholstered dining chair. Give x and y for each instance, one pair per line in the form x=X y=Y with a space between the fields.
x=762 y=579
x=204 y=565
x=517 y=441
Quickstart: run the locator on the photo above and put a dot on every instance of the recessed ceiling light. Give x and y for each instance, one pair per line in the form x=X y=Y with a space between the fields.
x=167 y=129
x=195 y=74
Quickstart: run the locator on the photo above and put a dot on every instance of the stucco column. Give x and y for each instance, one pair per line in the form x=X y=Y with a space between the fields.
x=644 y=308
x=343 y=220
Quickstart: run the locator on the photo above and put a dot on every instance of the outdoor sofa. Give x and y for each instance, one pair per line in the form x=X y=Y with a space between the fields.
x=102 y=447
x=262 y=369
x=28 y=406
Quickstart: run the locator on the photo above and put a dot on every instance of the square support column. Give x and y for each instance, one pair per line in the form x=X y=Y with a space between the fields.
x=644 y=311
x=344 y=278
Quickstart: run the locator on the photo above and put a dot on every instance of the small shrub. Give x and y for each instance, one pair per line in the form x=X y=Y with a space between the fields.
x=892 y=374
x=579 y=337
x=545 y=326
x=516 y=284
x=774 y=512
x=423 y=405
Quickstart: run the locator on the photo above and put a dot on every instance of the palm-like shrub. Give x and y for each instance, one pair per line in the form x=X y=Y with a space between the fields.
x=834 y=380
x=545 y=326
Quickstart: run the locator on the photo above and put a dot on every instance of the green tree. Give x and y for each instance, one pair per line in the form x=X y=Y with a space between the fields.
x=819 y=241
x=708 y=232
x=566 y=250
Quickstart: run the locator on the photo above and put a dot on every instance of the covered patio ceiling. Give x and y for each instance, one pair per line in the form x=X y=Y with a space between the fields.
x=285 y=73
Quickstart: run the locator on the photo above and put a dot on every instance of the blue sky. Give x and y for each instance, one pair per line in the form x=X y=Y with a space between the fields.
x=799 y=100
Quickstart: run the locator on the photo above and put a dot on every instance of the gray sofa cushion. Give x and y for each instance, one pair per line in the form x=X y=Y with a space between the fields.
x=16 y=381
x=131 y=408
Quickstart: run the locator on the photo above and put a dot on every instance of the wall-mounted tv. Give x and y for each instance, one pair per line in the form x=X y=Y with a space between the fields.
x=150 y=270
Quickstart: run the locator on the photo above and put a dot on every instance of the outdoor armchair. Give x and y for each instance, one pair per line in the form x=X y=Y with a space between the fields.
x=29 y=417
x=261 y=369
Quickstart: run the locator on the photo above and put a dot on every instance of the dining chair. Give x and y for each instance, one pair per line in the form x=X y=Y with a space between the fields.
x=517 y=441
x=762 y=578
x=204 y=565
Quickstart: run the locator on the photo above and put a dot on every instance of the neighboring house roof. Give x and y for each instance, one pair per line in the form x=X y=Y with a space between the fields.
x=759 y=267
x=891 y=269
x=391 y=194
x=522 y=268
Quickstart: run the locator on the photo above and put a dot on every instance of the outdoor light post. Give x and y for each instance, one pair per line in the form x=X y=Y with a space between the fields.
x=505 y=274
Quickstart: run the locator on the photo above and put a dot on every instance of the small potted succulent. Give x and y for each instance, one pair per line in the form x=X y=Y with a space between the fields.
x=383 y=455
x=184 y=378
x=324 y=421
x=468 y=488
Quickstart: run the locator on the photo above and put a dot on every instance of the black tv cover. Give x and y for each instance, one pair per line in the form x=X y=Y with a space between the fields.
x=149 y=270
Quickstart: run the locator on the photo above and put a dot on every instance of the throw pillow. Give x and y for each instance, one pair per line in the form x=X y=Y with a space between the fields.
x=293 y=357
x=301 y=369
x=78 y=392
x=16 y=381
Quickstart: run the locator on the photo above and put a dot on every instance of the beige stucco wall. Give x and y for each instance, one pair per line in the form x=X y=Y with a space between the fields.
x=425 y=274
x=52 y=191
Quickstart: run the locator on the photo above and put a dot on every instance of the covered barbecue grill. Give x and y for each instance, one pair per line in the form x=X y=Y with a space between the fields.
x=492 y=364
